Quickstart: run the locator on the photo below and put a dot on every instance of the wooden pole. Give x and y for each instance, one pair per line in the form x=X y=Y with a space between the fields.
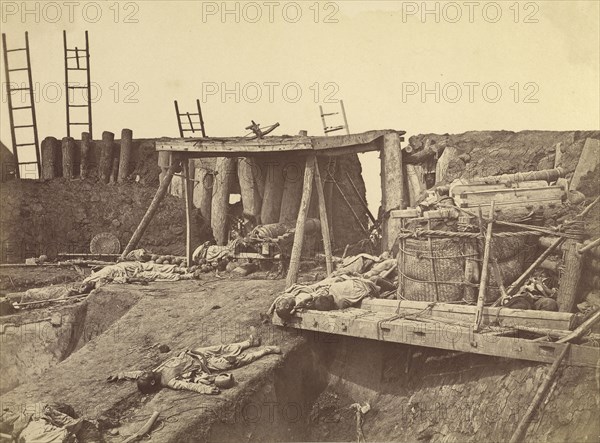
x=484 y=270
x=49 y=147
x=125 y=155
x=392 y=186
x=589 y=246
x=582 y=329
x=251 y=199
x=569 y=279
x=143 y=430
x=86 y=146
x=309 y=173
x=68 y=154
x=292 y=192
x=204 y=189
x=323 y=217
x=539 y=396
x=105 y=162
x=188 y=190
x=158 y=197
x=273 y=194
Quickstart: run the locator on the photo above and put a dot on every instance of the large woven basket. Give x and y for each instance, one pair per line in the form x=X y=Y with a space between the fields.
x=433 y=269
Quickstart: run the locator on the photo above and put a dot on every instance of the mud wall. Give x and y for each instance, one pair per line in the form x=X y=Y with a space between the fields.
x=59 y=216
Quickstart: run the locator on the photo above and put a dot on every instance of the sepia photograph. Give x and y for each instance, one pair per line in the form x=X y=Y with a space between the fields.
x=300 y=221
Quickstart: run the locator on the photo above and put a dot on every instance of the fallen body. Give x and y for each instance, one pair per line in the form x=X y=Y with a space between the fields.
x=198 y=369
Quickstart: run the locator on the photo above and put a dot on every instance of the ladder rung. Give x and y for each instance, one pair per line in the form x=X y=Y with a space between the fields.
x=190 y=114
x=76 y=69
x=21 y=107
x=18 y=69
x=331 y=113
x=82 y=50
x=80 y=124
x=333 y=129
x=18 y=89
x=77 y=106
x=77 y=87
x=25 y=144
x=17 y=49
x=23 y=126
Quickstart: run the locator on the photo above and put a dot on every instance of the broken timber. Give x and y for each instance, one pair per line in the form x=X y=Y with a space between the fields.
x=384 y=326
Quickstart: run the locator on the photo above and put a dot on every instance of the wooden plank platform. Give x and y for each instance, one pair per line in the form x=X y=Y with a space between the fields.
x=240 y=146
x=382 y=326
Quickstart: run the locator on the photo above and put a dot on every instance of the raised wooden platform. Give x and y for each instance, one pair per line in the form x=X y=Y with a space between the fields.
x=240 y=146
x=437 y=332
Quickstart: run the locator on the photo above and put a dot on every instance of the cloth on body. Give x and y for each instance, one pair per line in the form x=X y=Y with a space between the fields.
x=120 y=272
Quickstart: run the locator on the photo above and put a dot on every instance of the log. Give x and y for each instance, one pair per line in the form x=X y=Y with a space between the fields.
x=309 y=173
x=472 y=274
x=548 y=175
x=416 y=183
x=154 y=205
x=225 y=170
x=251 y=199
x=583 y=328
x=273 y=194
x=590 y=246
x=392 y=186
x=521 y=429
x=105 y=162
x=114 y=171
x=125 y=154
x=86 y=146
x=50 y=149
x=292 y=192
x=68 y=157
x=323 y=218
x=441 y=167
x=570 y=277
x=204 y=189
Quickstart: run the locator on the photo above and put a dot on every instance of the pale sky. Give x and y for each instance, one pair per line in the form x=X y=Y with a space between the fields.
x=495 y=65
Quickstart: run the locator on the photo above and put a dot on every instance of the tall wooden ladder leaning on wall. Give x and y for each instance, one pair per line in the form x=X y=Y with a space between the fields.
x=332 y=163
x=24 y=136
x=78 y=59
x=189 y=121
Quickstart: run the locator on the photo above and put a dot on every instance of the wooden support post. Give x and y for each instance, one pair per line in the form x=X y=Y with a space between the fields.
x=158 y=198
x=472 y=272
x=68 y=154
x=309 y=173
x=114 y=171
x=324 y=220
x=188 y=190
x=392 y=186
x=125 y=155
x=220 y=200
x=292 y=192
x=86 y=146
x=105 y=162
x=50 y=146
x=251 y=199
x=484 y=270
x=271 y=204
x=539 y=396
x=203 y=190
x=569 y=279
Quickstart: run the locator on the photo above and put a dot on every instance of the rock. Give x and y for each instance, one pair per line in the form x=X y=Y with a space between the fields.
x=164 y=349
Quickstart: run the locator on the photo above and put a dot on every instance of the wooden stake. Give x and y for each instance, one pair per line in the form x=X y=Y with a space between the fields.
x=323 y=217
x=539 y=396
x=50 y=146
x=309 y=173
x=484 y=270
x=125 y=155
x=188 y=196
x=86 y=146
x=158 y=197
x=582 y=329
x=106 y=156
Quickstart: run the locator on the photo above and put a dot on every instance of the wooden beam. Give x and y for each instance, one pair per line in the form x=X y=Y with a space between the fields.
x=483 y=282
x=323 y=217
x=503 y=317
x=383 y=327
x=158 y=198
x=309 y=173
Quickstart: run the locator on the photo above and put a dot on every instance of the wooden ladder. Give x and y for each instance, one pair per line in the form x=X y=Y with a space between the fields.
x=19 y=137
x=81 y=62
x=189 y=122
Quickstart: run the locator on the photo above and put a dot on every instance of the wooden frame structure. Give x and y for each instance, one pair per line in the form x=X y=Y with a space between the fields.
x=301 y=146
